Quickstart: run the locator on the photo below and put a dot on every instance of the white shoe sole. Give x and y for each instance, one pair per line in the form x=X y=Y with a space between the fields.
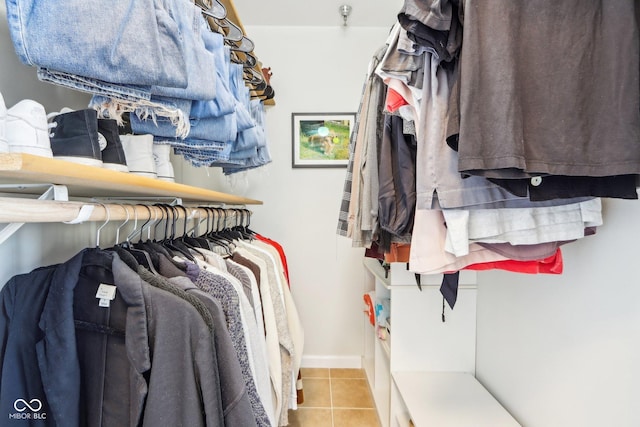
x=115 y=167
x=29 y=149
x=146 y=174
x=81 y=160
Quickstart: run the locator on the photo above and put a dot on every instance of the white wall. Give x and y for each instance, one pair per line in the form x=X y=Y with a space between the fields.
x=564 y=350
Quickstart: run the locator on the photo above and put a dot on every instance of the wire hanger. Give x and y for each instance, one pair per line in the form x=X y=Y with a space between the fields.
x=245 y=44
x=229 y=30
x=135 y=224
x=126 y=210
x=215 y=10
x=108 y=214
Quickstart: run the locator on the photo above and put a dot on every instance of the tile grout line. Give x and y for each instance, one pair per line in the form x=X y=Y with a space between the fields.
x=331 y=399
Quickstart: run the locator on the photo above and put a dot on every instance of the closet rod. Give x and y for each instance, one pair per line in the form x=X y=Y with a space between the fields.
x=28 y=211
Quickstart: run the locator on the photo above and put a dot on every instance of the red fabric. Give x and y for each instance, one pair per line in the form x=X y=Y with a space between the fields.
x=550 y=265
x=280 y=250
x=370 y=311
x=394 y=100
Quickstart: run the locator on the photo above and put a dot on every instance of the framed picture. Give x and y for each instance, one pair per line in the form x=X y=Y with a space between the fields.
x=321 y=140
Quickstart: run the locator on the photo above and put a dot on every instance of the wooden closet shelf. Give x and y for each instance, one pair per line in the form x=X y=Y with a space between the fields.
x=89 y=181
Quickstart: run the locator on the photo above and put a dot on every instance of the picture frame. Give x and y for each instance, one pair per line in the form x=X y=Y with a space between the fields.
x=321 y=140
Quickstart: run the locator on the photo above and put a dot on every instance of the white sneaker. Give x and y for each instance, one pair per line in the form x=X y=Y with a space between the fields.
x=27 y=129
x=138 y=150
x=4 y=144
x=162 y=158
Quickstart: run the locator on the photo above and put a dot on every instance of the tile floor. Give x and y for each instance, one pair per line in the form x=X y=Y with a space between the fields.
x=335 y=398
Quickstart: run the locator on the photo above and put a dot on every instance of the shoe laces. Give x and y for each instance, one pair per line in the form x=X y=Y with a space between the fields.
x=51 y=126
x=51 y=123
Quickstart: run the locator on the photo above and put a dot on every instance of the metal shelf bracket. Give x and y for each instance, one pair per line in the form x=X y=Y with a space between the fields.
x=51 y=192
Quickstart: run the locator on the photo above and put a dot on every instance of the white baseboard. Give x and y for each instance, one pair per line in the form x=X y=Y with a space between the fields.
x=354 y=362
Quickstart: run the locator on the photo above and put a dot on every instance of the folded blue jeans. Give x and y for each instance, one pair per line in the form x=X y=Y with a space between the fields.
x=129 y=93
x=199 y=62
x=138 y=42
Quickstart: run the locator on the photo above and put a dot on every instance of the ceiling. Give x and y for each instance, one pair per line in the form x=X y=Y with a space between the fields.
x=317 y=13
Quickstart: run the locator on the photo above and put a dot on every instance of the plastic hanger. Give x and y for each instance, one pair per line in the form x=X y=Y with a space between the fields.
x=178 y=243
x=214 y=235
x=197 y=241
x=190 y=241
x=169 y=242
x=243 y=228
x=143 y=246
x=141 y=256
x=154 y=247
x=229 y=232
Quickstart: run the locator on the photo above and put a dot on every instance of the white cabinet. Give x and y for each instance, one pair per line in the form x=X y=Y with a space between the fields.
x=423 y=373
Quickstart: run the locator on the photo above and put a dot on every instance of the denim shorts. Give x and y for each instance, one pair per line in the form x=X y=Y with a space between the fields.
x=204 y=153
x=196 y=146
x=220 y=129
x=261 y=158
x=200 y=62
x=245 y=121
x=237 y=86
x=110 y=53
x=224 y=101
x=166 y=117
x=248 y=139
x=257 y=112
